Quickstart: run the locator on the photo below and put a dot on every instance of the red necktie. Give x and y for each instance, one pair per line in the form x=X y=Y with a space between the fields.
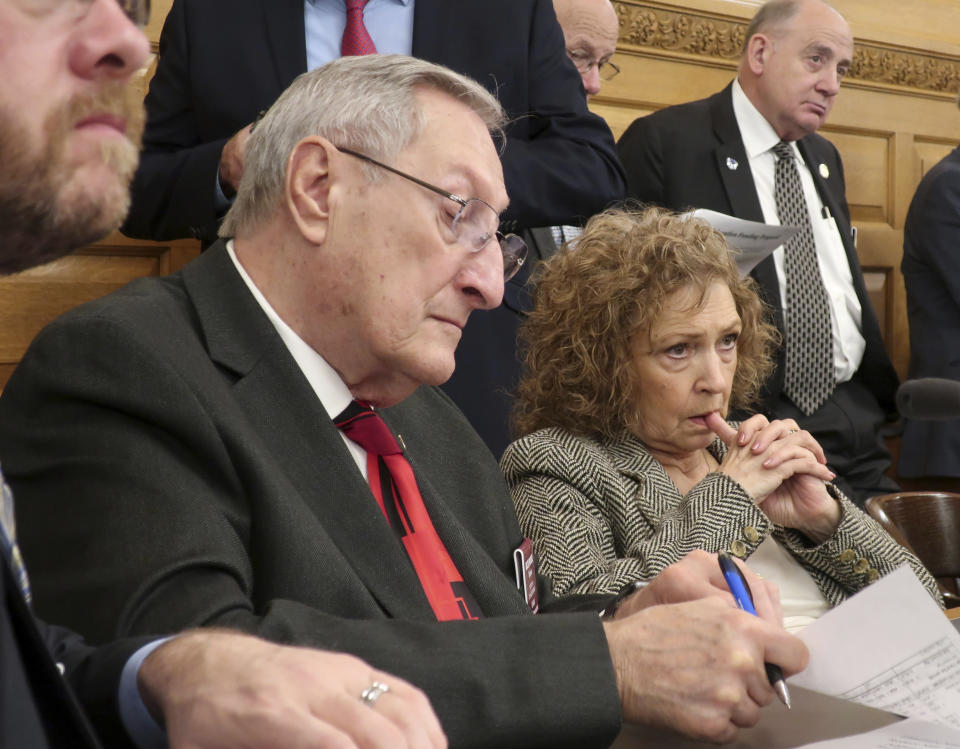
x=356 y=40
x=395 y=488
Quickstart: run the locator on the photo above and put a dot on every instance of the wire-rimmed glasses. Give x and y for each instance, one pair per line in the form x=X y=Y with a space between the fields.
x=475 y=223
x=607 y=69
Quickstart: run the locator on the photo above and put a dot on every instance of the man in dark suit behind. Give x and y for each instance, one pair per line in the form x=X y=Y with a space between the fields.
x=488 y=363
x=67 y=146
x=931 y=273
x=719 y=153
x=191 y=446
x=224 y=61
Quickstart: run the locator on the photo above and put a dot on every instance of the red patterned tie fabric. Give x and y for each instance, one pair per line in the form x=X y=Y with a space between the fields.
x=356 y=40
x=395 y=488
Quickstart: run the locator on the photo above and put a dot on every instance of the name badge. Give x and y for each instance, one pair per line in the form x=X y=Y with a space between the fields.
x=526 y=572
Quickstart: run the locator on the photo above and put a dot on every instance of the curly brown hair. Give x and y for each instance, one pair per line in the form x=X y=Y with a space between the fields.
x=591 y=302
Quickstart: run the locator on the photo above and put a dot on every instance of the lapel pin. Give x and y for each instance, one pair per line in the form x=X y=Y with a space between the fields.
x=732 y=164
x=824 y=171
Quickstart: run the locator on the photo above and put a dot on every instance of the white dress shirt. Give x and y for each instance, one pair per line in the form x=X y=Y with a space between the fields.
x=759 y=138
x=389 y=23
x=326 y=383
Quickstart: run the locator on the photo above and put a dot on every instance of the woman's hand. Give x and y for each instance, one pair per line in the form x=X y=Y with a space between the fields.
x=784 y=469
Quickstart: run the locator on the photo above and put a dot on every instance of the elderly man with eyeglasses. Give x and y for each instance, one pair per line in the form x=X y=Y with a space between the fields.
x=256 y=442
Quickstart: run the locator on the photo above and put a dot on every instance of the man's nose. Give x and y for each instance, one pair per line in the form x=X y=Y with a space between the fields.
x=481 y=277
x=591 y=81
x=106 y=43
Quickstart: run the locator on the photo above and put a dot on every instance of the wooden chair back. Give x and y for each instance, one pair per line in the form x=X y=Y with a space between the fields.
x=927 y=523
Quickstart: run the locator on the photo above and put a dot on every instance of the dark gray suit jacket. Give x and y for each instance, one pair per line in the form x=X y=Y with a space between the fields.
x=173 y=467
x=678 y=157
x=931 y=272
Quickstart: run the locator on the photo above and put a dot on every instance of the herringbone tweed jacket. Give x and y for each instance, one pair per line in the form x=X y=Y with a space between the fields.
x=601 y=514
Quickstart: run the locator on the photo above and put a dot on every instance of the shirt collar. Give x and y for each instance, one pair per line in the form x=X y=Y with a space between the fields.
x=758 y=135
x=404 y=3
x=326 y=383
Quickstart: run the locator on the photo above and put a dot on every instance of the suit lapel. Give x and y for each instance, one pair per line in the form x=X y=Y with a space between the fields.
x=827 y=189
x=656 y=494
x=478 y=533
x=493 y=591
x=734 y=167
x=293 y=427
x=283 y=22
x=731 y=159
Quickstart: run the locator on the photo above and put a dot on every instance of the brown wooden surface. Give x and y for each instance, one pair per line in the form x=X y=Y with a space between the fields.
x=927 y=523
x=31 y=299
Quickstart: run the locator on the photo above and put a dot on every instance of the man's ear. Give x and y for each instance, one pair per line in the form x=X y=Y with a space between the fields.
x=759 y=49
x=307 y=187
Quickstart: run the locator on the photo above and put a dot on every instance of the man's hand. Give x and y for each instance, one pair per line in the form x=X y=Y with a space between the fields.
x=231 y=161
x=217 y=689
x=697 y=667
x=698 y=576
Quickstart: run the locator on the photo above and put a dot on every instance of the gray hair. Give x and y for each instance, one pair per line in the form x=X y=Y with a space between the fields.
x=367 y=104
x=773 y=14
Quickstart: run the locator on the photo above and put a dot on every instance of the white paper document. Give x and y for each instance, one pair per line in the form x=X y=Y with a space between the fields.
x=890 y=647
x=908 y=734
x=752 y=240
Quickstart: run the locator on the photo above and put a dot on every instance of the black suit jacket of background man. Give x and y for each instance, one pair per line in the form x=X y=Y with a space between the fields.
x=931 y=272
x=173 y=467
x=678 y=158
x=223 y=61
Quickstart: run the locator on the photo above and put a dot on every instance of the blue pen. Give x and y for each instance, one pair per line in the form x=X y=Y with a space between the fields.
x=744 y=598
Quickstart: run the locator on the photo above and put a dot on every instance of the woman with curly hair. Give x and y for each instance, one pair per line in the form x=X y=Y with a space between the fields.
x=640 y=340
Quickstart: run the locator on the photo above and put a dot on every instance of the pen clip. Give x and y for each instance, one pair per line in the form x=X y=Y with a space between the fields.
x=729 y=566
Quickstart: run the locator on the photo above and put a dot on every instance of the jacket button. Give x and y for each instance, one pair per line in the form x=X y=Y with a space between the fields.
x=751 y=534
x=847 y=556
x=861 y=566
x=738 y=548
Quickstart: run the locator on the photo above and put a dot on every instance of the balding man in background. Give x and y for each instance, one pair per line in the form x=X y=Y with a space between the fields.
x=752 y=151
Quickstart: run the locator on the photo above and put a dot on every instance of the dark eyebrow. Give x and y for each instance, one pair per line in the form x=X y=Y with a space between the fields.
x=823 y=50
x=827 y=52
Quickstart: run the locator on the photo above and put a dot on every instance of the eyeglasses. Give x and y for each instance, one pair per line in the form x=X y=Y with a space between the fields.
x=584 y=62
x=473 y=226
x=137 y=11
